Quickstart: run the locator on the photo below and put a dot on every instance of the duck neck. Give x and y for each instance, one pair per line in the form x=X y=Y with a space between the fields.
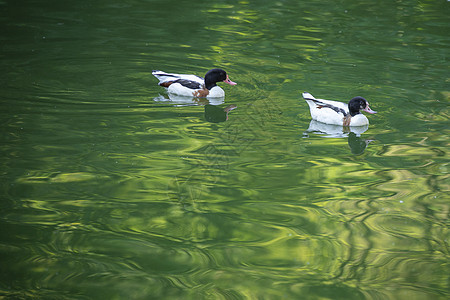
x=209 y=85
x=347 y=119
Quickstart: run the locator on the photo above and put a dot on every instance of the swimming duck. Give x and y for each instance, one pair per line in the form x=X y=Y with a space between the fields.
x=338 y=113
x=193 y=85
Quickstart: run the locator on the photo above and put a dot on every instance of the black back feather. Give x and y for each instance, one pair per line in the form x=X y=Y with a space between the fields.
x=188 y=83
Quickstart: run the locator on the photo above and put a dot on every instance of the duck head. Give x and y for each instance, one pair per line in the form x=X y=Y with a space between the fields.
x=357 y=104
x=216 y=75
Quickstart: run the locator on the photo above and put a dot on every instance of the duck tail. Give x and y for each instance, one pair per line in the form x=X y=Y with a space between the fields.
x=158 y=73
x=308 y=96
x=163 y=76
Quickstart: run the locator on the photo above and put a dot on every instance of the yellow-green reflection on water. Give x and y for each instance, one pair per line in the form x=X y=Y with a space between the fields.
x=113 y=190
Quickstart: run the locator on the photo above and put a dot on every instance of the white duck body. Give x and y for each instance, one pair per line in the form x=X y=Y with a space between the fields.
x=179 y=89
x=334 y=112
x=193 y=85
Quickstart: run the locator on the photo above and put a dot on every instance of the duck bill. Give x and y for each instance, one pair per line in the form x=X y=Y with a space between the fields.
x=367 y=109
x=229 y=81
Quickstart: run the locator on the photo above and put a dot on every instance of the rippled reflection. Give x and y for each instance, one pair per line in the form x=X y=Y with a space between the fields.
x=183 y=100
x=113 y=190
x=353 y=134
x=214 y=112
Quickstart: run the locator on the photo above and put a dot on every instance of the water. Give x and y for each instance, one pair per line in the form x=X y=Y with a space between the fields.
x=111 y=190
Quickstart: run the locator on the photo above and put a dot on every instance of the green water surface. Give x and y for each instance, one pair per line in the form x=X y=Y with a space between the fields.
x=110 y=189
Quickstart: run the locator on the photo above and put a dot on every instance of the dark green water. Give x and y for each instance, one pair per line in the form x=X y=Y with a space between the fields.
x=109 y=190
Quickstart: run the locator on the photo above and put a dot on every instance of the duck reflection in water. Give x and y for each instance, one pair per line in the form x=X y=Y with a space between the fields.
x=357 y=144
x=178 y=100
x=353 y=134
x=214 y=113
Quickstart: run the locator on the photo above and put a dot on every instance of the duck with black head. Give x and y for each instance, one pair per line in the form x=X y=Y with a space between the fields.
x=193 y=85
x=339 y=113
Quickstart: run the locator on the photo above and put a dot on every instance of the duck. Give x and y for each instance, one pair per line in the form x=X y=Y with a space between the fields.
x=193 y=85
x=339 y=113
